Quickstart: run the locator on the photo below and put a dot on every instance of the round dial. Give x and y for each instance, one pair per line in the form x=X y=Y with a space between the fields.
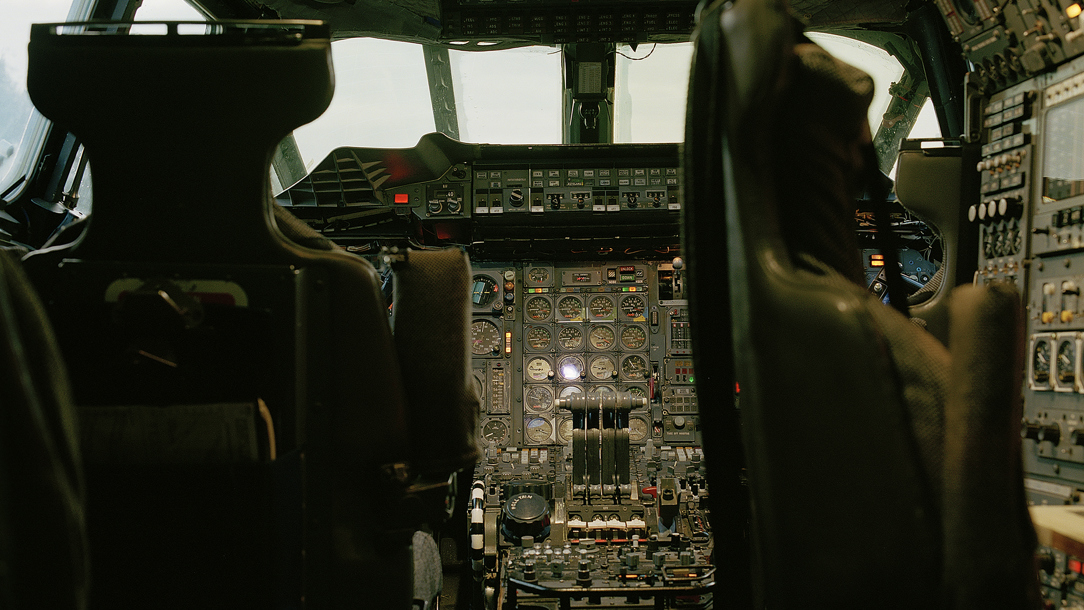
x=634 y=367
x=538 y=397
x=601 y=308
x=600 y=390
x=495 y=431
x=632 y=307
x=538 y=338
x=570 y=308
x=637 y=391
x=570 y=337
x=602 y=368
x=483 y=290
x=633 y=337
x=539 y=369
x=564 y=430
x=1040 y=363
x=539 y=430
x=637 y=429
x=601 y=337
x=538 y=275
x=570 y=367
x=485 y=338
x=570 y=390
x=538 y=309
x=1067 y=362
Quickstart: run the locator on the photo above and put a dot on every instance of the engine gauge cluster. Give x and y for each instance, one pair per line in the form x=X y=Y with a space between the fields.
x=1040 y=355
x=584 y=328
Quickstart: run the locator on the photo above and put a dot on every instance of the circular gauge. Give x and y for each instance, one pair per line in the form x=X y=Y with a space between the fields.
x=601 y=390
x=602 y=368
x=637 y=429
x=538 y=275
x=569 y=390
x=633 y=337
x=539 y=430
x=1040 y=363
x=634 y=367
x=570 y=337
x=637 y=391
x=483 y=291
x=564 y=430
x=538 y=338
x=538 y=309
x=485 y=338
x=1067 y=362
x=570 y=308
x=632 y=307
x=601 y=337
x=570 y=368
x=538 y=398
x=495 y=431
x=539 y=369
x=601 y=308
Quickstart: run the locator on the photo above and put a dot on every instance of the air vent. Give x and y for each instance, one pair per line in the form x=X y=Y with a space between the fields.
x=340 y=180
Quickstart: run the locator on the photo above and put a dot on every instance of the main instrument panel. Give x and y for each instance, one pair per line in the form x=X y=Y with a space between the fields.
x=592 y=481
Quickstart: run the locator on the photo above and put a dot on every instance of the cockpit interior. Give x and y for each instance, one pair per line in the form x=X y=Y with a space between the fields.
x=541 y=304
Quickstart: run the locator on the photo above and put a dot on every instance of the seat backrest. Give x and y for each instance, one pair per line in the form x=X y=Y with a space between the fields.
x=42 y=496
x=183 y=302
x=842 y=399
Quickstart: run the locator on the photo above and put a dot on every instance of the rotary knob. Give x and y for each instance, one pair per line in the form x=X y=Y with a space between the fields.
x=526 y=514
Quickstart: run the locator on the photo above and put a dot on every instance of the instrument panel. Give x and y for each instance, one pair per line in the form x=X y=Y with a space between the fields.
x=545 y=330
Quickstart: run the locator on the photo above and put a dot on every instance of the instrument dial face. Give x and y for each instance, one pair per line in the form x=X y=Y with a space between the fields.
x=570 y=368
x=634 y=367
x=1040 y=362
x=478 y=387
x=538 y=309
x=637 y=429
x=570 y=390
x=633 y=337
x=601 y=308
x=538 y=275
x=602 y=368
x=538 y=338
x=539 y=430
x=1067 y=362
x=601 y=390
x=485 y=338
x=570 y=337
x=538 y=397
x=483 y=291
x=632 y=307
x=564 y=430
x=570 y=308
x=637 y=391
x=601 y=337
x=539 y=369
x=495 y=431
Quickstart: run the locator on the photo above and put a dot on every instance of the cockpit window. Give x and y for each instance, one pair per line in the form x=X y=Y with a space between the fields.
x=381 y=100
x=512 y=96
x=650 y=91
x=20 y=125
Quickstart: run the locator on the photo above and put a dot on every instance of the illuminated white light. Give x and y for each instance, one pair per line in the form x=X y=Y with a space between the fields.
x=569 y=371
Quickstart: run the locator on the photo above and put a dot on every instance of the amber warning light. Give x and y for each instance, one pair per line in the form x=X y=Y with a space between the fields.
x=876 y=260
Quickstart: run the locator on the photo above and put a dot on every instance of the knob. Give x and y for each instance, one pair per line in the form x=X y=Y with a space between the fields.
x=555 y=202
x=526 y=514
x=679 y=422
x=1046 y=562
x=583 y=574
x=1029 y=430
x=515 y=198
x=1076 y=437
x=1010 y=207
x=631 y=198
x=529 y=572
x=580 y=203
x=434 y=207
x=459 y=173
x=454 y=206
x=991 y=209
x=1050 y=432
x=973 y=213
